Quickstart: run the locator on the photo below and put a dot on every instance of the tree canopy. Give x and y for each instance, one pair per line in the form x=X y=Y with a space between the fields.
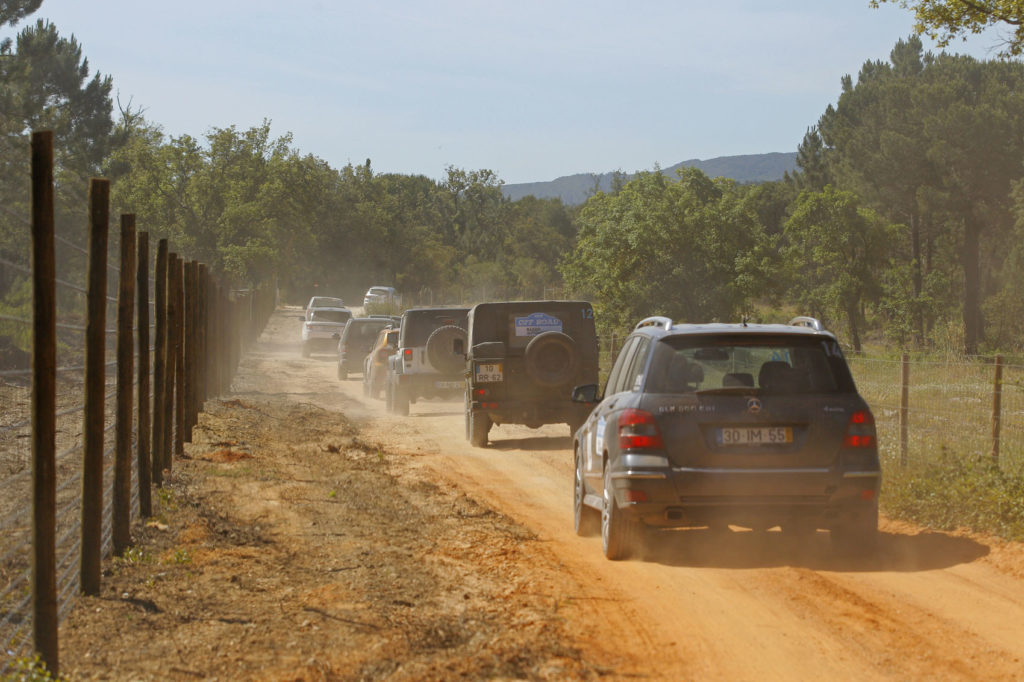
x=946 y=20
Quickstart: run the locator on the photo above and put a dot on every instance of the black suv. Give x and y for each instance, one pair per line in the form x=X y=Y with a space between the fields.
x=431 y=357
x=756 y=425
x=357 y=340
x=524 y=359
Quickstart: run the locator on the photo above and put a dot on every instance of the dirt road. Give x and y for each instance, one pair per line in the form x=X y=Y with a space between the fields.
x=433 y=560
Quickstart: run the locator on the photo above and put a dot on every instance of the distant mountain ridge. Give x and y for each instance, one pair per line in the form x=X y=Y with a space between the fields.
x=575 y=189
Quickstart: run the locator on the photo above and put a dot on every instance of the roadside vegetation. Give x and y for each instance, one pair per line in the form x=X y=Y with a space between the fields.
x=956 y=491
x=902 y=228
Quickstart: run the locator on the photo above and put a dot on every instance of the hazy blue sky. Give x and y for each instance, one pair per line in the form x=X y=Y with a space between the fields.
x=533 y=89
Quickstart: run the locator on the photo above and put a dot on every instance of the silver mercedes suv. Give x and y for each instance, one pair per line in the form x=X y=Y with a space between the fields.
x=753 y=425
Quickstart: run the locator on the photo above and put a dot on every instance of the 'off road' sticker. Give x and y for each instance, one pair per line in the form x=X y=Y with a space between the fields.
x=537 y=323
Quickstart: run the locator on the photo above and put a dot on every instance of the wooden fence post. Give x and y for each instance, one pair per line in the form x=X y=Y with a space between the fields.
x=173 y=339
x=122 y=509
x=188 y=331
x=160 y=364
x=179 y=360
x=95 y=389
x=44 y=406
x=997 y=407
x=204 y=335
x=904 y=408
x=144 y=419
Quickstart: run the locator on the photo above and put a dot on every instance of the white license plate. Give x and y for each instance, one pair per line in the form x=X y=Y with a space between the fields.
x=755 y=435
x=489 y=373
x=447 y=384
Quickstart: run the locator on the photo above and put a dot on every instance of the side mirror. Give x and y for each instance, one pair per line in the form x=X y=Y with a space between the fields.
x=587 y=393
x=491 y=350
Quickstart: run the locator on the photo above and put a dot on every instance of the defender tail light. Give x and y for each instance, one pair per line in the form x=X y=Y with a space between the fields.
x=637 y=429
x=860 y=431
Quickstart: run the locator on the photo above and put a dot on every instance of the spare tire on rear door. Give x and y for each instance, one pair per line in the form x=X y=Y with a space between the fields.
x=552 y=359
x=446 y=349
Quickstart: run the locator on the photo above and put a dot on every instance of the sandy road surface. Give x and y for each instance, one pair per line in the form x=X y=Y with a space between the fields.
x=750 y=606
x=539 y=601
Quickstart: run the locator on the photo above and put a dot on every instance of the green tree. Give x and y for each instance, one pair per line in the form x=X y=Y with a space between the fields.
x=45 y=84
x=835 y=248
x=946 y=20
x=879 y=149
x=686 y=249
x=13 y=11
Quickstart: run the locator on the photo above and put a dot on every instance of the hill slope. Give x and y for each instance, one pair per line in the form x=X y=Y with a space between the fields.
x=574 y=189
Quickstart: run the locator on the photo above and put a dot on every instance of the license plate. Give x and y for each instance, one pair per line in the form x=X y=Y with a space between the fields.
x=489 y=373
x=447 y=384
x=755 y=435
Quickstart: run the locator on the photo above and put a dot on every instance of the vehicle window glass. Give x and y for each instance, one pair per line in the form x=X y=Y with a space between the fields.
x=417 y=327
x=630 y=378
x=330 y=316
x=763 y=363
x=620 y=361
x=325 y=302
x=363 y=332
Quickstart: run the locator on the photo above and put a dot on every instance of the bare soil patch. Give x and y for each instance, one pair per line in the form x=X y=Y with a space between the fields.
x=287 y=548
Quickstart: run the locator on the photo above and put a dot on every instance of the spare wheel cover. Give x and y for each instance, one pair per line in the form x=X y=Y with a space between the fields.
x=552 y=359
x=441 y=349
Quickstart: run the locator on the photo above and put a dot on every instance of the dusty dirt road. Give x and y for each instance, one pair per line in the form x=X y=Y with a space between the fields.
x=313 y=536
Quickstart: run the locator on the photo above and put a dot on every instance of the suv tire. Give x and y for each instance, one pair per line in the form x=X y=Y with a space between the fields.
x=586 y=521
x=441 y=349
x=479 y=426
x=551 y=359
x=620 y=535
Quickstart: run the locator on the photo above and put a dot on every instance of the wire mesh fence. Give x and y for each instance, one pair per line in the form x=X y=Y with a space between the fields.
x=949 y=407
x=16 y=450
x=211 y=326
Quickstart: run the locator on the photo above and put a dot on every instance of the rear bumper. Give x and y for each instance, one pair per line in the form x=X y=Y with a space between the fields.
x=321 y=343
x=432 y=385
x=532 y=413
x=684 y=496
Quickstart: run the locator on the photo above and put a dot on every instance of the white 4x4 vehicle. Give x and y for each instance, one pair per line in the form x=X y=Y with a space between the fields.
x=380 y=295
x=431 y=358
x=322 y=328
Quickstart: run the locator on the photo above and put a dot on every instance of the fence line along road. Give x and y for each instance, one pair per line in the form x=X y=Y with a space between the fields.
x=79 y=441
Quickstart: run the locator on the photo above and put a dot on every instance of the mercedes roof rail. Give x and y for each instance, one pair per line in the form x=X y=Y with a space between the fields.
x=809 y=322
x=656 y=321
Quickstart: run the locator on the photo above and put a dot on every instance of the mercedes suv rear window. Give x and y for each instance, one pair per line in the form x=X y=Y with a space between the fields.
x=786 y=363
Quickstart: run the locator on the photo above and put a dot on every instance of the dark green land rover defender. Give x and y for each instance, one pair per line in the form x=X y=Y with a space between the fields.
x=523 y=360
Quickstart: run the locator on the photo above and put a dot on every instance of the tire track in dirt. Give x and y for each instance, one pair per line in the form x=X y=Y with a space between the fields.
x=932 y=605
